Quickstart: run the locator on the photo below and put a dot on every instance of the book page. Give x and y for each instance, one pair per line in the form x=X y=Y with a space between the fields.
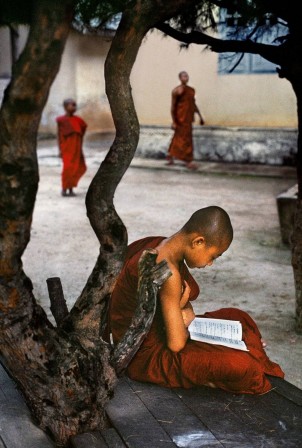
x=222 y=328
x=218 y=331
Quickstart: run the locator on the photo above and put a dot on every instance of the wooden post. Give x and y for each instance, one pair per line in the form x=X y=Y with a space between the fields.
x=58 y=305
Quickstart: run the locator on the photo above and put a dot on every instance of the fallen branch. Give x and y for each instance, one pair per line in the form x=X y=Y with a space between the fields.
x=151 y=277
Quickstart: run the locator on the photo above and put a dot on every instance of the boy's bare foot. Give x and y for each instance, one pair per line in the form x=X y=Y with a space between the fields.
x=169 y=162
x=209 y=384
x=191 y=166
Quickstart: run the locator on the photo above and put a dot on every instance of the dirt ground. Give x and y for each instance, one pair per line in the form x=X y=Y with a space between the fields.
x=255 y=274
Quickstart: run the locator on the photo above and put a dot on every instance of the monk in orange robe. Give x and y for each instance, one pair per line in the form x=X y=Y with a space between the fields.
x=168 y=356
x=183 y=109
x=71 y=130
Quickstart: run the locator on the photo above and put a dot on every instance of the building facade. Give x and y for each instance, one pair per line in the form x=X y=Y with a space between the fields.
x=227 y=100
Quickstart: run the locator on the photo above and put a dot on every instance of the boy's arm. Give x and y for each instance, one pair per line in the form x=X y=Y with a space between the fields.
x=83 y=126
x=170 y=297
x=188 y=314
x=197 y=111
x=59 y=140
x=175 y=94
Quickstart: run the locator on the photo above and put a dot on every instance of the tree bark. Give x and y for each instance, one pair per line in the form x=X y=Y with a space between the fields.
x=64 y=385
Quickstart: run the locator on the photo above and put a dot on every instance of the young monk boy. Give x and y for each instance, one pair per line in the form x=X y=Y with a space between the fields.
x=168 y=356
x=71 y=130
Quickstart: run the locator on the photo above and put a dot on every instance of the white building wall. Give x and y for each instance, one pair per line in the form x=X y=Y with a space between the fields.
x=225 y=100
x=261 y=100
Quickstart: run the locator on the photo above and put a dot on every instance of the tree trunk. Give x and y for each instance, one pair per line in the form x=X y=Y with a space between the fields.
x=64 y=385
x=296 y=241
x=297 y=262
x=91 y=306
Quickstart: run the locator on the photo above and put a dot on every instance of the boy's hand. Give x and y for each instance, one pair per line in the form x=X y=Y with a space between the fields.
x=188 y=314
x=185 y=295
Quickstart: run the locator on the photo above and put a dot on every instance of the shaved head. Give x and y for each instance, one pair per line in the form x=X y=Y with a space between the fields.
x=68 y=101
x=183 y=72
x=213 y=223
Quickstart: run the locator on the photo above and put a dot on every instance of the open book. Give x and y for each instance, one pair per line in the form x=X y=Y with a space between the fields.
x=218 y=331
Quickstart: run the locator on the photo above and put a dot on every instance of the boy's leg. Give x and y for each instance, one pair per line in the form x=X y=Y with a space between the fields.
x=232 y=370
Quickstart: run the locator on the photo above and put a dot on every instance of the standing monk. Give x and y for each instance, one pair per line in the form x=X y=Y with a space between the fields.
x=71 y=129
x=183 y=109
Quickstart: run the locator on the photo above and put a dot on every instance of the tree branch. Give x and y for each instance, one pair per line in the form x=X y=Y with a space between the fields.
x=273 y=53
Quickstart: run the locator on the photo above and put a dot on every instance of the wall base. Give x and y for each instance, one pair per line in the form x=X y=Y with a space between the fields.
x=238 y=145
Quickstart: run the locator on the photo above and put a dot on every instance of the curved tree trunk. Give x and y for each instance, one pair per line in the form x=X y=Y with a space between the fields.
x=106 y=223
x=92 y=304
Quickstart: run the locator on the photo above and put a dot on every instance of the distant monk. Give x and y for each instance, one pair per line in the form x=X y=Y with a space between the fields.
x=183 y=109
x=71 y=129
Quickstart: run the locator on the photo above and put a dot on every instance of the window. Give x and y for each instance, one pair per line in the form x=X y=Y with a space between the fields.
x=234 y=63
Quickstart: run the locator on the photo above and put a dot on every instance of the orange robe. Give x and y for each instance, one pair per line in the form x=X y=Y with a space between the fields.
x=197 y=363
x=181 y=146
x=70 y=133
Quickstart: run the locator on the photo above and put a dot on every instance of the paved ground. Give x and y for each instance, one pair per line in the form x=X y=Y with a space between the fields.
x=255 y=274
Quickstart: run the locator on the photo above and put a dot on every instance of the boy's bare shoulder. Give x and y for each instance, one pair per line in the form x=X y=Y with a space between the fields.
x=164 y=254
x=178 y=90
x=176 y=275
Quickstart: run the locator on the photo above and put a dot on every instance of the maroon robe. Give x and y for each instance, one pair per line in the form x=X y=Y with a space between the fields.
x=181 y=146
x=197 y=363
